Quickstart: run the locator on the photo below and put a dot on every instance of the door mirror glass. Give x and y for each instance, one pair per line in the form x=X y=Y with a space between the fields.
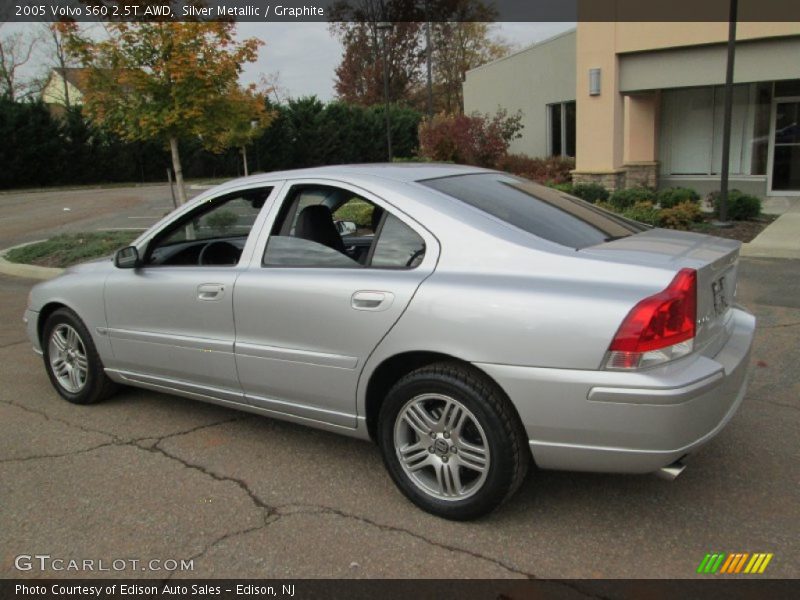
x=127 y=258
x=346 y=227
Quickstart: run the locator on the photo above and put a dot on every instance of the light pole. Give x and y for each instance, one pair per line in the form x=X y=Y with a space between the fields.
x=384 y=27
x=726 y=126
x=428 y=60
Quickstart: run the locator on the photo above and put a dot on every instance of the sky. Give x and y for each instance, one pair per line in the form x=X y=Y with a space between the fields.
x=302 y=57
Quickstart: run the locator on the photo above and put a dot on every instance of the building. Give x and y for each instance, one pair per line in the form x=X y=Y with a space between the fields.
x=64 y=88
x=642 y=103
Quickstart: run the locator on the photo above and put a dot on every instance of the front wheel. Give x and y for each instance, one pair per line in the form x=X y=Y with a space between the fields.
x=451 y=441
x=71 y=360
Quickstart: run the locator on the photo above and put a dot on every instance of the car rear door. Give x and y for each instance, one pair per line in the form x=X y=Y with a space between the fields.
x=308 y=317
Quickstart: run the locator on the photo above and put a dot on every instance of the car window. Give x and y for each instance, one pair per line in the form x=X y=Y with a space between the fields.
x=228 y=219
x=398 y=245
x=287 y=251
x=357 y=217
x=542 y=211
x=328 y=226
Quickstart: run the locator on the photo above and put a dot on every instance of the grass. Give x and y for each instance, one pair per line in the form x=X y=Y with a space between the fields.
x=71 y=248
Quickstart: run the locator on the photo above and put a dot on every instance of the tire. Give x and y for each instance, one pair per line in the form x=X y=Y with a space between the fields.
x=452 y=442
x=71 y=360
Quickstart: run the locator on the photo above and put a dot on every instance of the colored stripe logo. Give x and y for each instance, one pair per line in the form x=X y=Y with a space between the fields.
x=736 y=562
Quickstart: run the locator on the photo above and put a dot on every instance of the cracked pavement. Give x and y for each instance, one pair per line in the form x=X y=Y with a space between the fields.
x=147 y=475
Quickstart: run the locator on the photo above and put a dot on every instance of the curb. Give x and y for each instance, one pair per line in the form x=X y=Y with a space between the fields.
x=28 y=271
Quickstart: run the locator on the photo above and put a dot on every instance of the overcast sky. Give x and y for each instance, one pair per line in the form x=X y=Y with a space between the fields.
x=304 y=55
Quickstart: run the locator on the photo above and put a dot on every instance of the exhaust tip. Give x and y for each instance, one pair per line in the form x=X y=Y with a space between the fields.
x=671 y=472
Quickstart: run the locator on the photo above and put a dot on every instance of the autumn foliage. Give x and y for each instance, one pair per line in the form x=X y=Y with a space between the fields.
x=168 y=81
x=474 y=139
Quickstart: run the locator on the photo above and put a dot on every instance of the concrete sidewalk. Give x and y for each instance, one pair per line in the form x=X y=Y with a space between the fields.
x=780 y=240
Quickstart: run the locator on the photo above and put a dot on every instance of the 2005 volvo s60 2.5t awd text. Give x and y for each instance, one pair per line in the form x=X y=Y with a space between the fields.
x=468 y=321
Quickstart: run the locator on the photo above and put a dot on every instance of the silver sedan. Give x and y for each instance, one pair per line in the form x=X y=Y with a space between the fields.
x=470 y=322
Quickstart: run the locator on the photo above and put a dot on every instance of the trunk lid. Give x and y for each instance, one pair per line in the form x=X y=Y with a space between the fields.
x=715 y=260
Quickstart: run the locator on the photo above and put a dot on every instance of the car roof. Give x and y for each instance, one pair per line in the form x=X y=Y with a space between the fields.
x=404 y=172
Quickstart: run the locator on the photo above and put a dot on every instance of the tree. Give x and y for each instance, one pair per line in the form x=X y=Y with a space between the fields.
x=16 y=50
x=458 y=47
x=58 y=57
x=163 y=80
x=245 y=120
x=359 y=77
x=461 y=40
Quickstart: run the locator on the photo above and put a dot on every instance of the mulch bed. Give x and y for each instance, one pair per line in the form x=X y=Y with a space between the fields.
x=744 y=231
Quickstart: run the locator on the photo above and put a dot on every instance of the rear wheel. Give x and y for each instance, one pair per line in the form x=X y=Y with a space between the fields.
x=71 y=360
x=451 y=441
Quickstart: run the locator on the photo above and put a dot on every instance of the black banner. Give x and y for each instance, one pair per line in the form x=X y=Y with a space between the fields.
x=394 y=10
x=313 y=589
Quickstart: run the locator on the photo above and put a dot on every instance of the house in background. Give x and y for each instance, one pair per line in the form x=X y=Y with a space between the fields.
x=64 y=88
x=642 y=103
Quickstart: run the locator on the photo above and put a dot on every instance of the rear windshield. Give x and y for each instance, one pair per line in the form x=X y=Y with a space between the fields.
x=542 y=211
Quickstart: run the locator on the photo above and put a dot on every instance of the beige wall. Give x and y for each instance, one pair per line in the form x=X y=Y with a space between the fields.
x=635 y=37
x=599 y=142
x=602 y=139
x=528 y=81
x=53 y=92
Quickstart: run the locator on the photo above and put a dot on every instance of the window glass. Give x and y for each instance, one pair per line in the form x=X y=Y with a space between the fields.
x=542 y=211
x=358 y=215
x=398 y=245
x=327 y=226
x=226 y=219
x=231 y=218
x=569 y=128
x=287 y=251
x=555 y=129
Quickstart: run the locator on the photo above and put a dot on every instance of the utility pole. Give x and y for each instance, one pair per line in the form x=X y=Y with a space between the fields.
x=726 y=127
x=384 y=27
x=428 y=60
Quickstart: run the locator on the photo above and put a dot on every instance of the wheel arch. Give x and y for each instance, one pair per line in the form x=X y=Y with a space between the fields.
x=44 y=314
x=394 y=367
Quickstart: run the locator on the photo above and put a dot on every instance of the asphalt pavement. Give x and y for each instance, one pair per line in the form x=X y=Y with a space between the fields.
x=148 y=476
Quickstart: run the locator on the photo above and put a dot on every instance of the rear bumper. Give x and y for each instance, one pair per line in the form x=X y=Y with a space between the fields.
x=629 y=422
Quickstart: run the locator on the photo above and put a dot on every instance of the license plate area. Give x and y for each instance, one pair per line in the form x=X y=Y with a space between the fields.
x=720 y=296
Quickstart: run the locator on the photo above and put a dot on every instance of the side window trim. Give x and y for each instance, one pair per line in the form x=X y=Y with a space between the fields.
x=378 y=232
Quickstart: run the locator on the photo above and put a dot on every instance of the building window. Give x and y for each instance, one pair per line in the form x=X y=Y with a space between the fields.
x=692 y=124
x=561 y=129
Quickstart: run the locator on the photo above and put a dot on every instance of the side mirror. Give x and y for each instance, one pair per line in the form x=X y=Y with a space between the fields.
x=127 y=258
x=346 y=227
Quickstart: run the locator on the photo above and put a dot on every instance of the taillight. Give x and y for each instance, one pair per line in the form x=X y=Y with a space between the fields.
x=659 y=328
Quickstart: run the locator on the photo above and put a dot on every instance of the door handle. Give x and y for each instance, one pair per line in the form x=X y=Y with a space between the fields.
x=371 y=300
x=210 y=291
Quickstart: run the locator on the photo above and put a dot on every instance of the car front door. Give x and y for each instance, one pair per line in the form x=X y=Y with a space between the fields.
x=314 y=305
x=170 y=321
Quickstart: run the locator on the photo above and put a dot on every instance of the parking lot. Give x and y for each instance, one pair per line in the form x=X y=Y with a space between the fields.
x=150 y=476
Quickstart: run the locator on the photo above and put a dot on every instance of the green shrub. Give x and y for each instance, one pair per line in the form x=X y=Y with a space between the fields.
x=680 y=216
x=357 y=211
x=567 y=188
x=222 y=221
x=741 y=207
x=625 y=199
x=605 y=206
x=644 y=212
x=591 y=192
x=674 y=196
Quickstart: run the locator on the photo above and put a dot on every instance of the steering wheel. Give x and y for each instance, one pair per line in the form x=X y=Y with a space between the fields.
x=414 y=256
x=219 y=252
